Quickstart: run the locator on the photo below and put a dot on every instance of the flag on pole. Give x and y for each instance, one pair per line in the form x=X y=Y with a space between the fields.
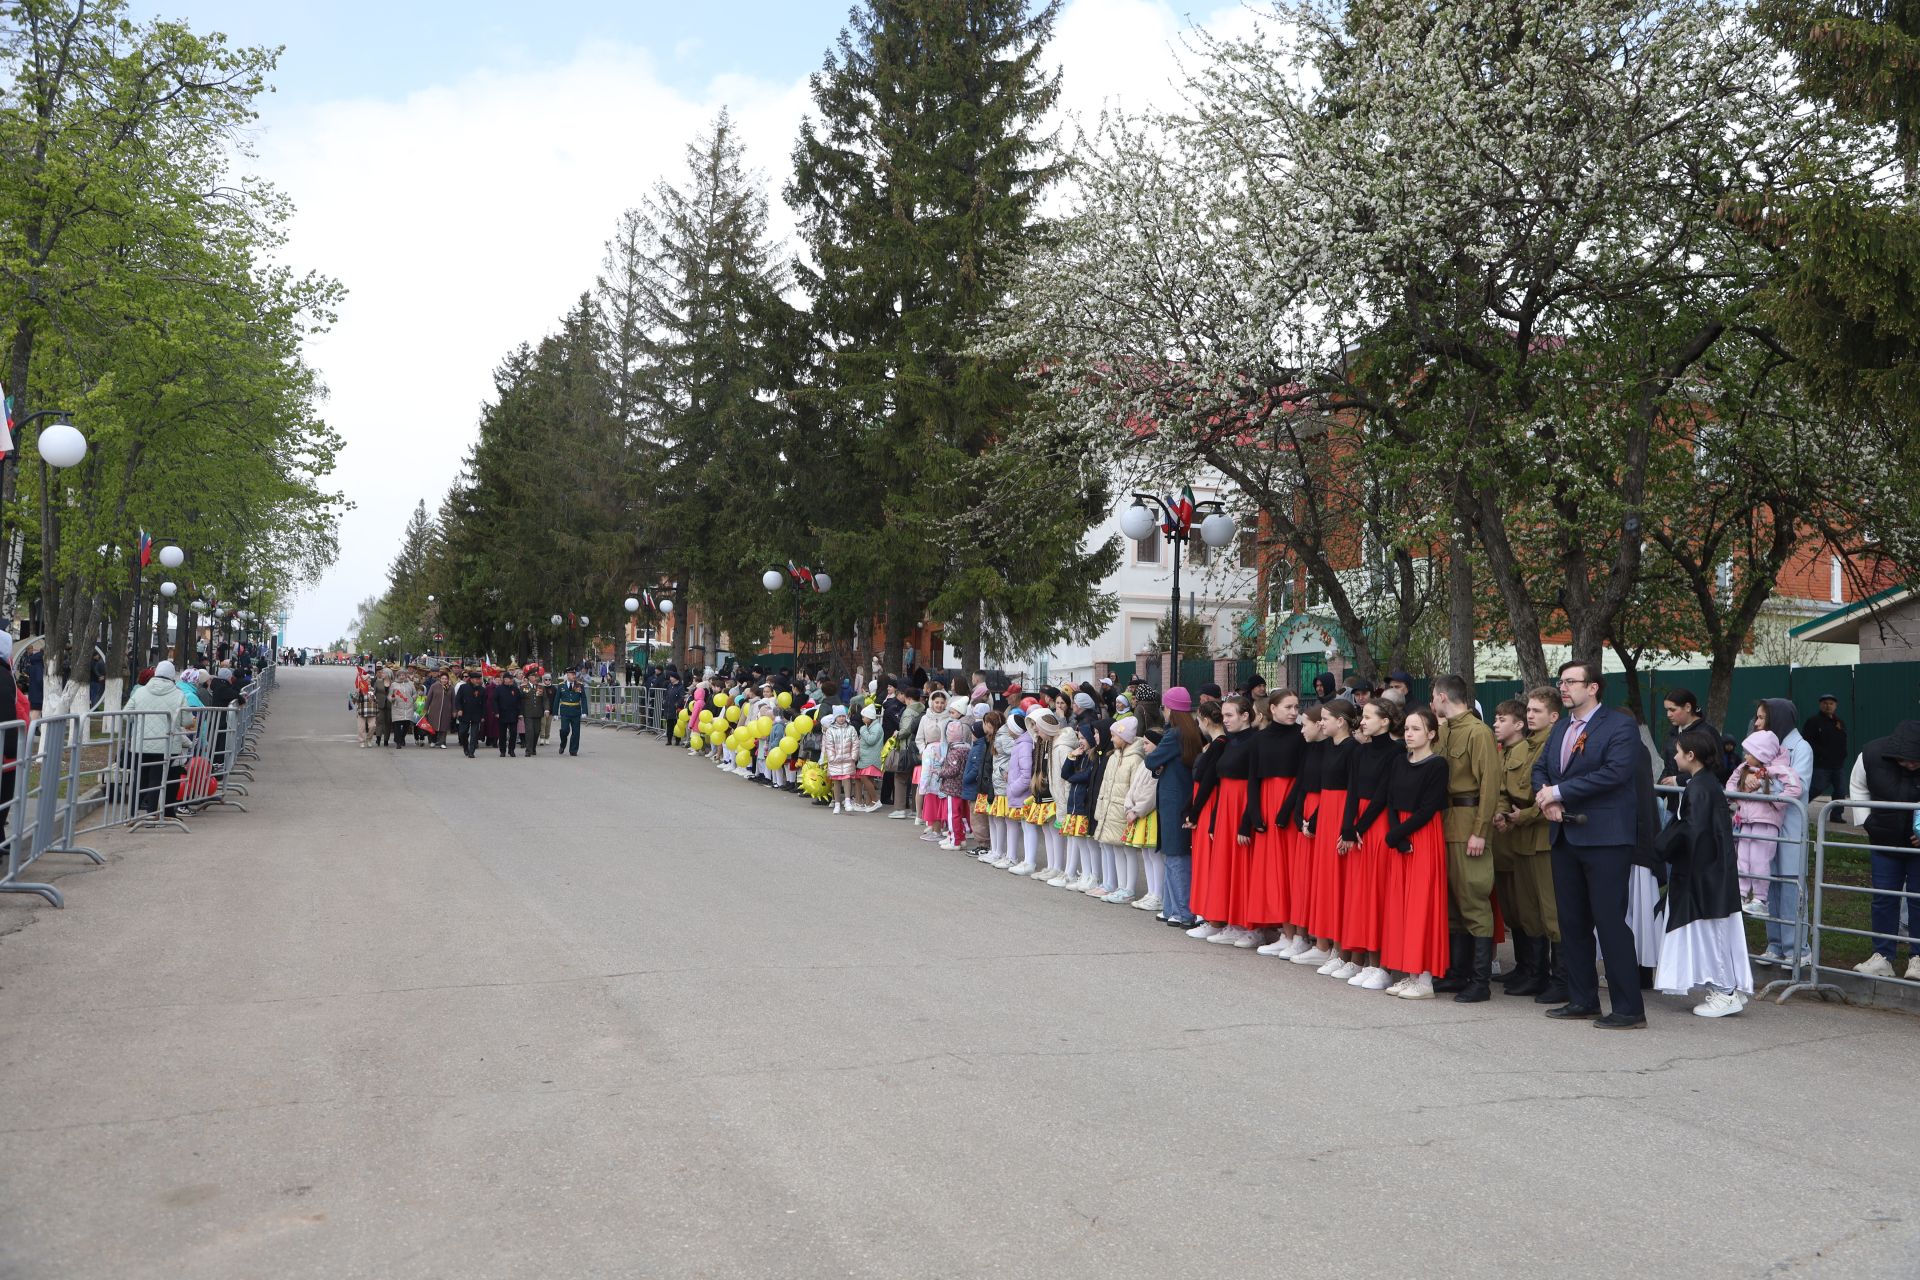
x=801 y=574
x=6 y=429
x=146 y=549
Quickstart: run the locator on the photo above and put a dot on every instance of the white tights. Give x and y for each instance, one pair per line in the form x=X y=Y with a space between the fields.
x=1056 y=848
x=1030 y=837
x=1156 y=873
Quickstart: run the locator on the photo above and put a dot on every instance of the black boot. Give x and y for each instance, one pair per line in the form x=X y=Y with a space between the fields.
x=1536 y=969
x=1480 y=981
x=1522 y=969
x=1556 y=992
x=1456 y=975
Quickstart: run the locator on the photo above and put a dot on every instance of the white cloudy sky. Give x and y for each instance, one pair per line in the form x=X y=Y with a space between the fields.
x=459 y=172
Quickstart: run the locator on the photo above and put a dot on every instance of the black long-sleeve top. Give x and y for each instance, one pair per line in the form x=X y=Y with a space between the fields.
x=1206 y=774
x=1234 y=761
x=1370 y=765
x=1313 y=757
x=1276 y=752
x=1417 y=788
x=1328 y=767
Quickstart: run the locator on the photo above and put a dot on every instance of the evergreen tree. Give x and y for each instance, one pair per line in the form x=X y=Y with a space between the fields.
x=918 y=189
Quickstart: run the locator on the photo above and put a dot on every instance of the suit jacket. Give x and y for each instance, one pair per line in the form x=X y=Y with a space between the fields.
x=1602 y=780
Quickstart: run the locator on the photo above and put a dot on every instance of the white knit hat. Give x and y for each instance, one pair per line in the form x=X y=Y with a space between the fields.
x=165 y=670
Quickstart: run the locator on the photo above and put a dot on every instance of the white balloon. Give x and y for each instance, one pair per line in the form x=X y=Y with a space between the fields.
x=168 y=589
x=62 y=445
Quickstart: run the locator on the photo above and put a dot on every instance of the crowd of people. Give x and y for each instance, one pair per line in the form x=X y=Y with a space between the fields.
x=1384 y=846
x=506 y=710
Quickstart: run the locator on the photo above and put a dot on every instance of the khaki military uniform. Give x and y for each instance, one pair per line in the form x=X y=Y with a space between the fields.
x=1522 y=871
x=1473 y=792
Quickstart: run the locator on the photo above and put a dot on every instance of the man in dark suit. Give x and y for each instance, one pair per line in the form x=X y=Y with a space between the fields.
x=1585 y=784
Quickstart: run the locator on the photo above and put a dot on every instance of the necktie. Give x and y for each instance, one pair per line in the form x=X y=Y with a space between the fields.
x=1574 y=729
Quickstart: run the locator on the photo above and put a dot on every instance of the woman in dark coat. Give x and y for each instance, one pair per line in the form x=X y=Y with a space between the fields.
x=1172 y=763
x=1706 y=942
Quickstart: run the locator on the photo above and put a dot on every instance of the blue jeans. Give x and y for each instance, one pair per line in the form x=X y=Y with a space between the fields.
x=1179 y=884
x=570 y=727
x=1894 y=871
x=1828 y=782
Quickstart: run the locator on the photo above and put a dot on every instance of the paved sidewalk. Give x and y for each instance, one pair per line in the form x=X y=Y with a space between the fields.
x=622 y=1015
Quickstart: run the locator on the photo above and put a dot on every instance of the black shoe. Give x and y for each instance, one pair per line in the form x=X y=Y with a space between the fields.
x=1535 y=966
x=1462 y=956
x=1620 y=1022
x=1556 y=992
x=1571 y=1011
x=1522 y=960
x=1479 y=986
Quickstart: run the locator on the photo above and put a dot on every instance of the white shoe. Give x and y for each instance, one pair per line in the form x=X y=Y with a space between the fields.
x=1149 y=903
x=898 y=813
x=1118 y=897
x=1312 y=955
x=1275 y=948
x=1754 y=907
x=1059 y=882
x=986 y=856
x=1334 y=961
x=1097 y=891
x=1229 y=936
x=1373 y=979
x=1913 y=968
x=932 y=835
x=1875 y=966
x=1021 y=869
x=1347 y=971
x=836 y=807
x=871 y=808
x=948 y=845
x=1203 y=930
x=1721 y=1004
x=1420 y=988
x=1399 y=984
x=1255 y=939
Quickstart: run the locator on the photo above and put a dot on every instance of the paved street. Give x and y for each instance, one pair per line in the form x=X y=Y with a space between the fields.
x=621 y=1015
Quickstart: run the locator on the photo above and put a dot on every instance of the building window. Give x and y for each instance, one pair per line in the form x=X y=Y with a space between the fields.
x=1198 y=552
x=1147 y=550
x=1836 y=582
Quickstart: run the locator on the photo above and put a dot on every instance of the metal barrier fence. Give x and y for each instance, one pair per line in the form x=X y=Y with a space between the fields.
x=1887 y=901
x=67 y=776
x=626 y=707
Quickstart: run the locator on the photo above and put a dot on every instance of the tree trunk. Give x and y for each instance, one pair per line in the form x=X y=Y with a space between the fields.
x=896 y=633
x=1460 y=602
x=1720 y=683
x=1522 y=617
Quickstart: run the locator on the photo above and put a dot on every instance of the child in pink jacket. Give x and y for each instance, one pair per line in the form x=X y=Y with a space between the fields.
x=1756 y=823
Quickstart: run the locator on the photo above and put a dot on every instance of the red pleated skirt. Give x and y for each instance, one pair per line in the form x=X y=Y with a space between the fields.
x=1413 y=929
x=1267 y=883
x=1364 y=890
x=1200 y=874
x=1300 y=864
x=1322 y=917
x=1212 y=899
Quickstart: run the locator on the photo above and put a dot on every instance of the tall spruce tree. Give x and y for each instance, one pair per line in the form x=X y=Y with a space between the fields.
x=704 y=348
x=917 y=188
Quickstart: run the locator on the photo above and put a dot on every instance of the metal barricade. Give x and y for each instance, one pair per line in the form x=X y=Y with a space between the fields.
x=1824 y=884
x=106 y=779
x=1786 y=911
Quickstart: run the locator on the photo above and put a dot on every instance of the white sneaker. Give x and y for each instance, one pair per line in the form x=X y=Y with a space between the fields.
x=1913 y=969
x=1149 y=903
x=871 y=808
x=1875 y=966
x=1118 y=897
x=1229 y=936
x=1000 y=860
x=1399 y=985
x=1021 y=869
x=1058 y=882
x=947 y=845
x=1754 y=907
x=1275 y=948
x=1347 y=971
x=986 y=856
x=1097 y=891
x=1253 y=940
x=898 y=813
x=1771 y=956
x=1373 y=979
x=1420 y=988
x=1203 y=930
x=836 y=807
x=932 y=835
x=1721 y=1004
x=1334 y=961
x=1312 y=955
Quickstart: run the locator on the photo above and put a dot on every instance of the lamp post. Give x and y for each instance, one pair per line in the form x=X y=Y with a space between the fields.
x=61 y=444
x=1175 y=521
x=801 y=579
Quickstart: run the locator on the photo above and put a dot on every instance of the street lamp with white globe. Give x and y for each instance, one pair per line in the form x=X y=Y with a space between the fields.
x=803 y=580
x=1176 y=522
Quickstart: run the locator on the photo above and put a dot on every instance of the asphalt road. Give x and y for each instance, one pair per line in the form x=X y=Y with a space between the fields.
x=623 y=1015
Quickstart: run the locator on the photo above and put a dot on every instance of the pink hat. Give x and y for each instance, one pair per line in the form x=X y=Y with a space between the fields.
x=1176 y=699
x=1762 y=746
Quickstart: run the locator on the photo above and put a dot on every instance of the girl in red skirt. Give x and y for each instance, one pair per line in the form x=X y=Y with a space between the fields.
x=1414 y=931
x=1296 y=819
x=1363 y=844
x=1228 y=831
x=1276 y=766
x=1339 y=720
x=1199 y=819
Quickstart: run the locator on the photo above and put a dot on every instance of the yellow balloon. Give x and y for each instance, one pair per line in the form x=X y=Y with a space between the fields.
x=776 y=759
x=784 y=701
x=733 y=715
x=763 y=727
x=706 y=717
x=743 y=758
x=790 y=743
x=699 y=743
x=721 y=700
x=804 y=724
